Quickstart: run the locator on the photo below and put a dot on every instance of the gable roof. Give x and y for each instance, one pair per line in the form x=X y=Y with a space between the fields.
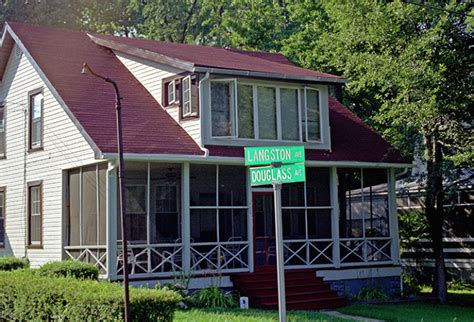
x=147 y=127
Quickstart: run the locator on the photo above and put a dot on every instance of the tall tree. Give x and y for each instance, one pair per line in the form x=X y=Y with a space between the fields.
x=410 y=68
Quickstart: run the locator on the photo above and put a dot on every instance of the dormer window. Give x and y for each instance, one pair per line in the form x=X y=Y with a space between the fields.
x=172 y=98
x=244 y=110
x=187 y=103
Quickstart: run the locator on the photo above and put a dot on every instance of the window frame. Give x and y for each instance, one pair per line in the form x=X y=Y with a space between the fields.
x=173 y=86
x=31 y=95
x=234 y=109
x=306 y=138
x=31 y=185
x=3 y=191
x=183 y=100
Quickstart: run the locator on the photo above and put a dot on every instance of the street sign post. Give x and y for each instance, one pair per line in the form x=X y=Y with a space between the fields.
x=278 y=165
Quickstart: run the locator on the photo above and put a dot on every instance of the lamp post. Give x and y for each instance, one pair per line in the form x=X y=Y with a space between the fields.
x=121 y=170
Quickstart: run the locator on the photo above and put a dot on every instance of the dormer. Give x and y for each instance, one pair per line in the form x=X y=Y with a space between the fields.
x=231 y=97
x=251 y=111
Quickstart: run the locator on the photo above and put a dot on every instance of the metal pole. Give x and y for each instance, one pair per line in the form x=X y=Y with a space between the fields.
x=279 y=252
x=121 y=171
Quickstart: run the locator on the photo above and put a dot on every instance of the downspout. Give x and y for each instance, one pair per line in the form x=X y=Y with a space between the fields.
x=206 y=77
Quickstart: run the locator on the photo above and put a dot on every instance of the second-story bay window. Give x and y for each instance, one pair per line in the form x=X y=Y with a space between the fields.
x=243 y=110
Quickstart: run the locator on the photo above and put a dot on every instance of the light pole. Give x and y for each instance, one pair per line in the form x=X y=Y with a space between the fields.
x=121 y=170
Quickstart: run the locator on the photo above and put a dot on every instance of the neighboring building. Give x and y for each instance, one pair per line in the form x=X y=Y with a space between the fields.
x=458 y=225
x=188 y=112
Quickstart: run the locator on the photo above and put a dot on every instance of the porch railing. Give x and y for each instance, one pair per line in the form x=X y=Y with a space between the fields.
x=355 y=251
x=152 y=258
x=230 y=256
x=310 y=252
x=95 y=255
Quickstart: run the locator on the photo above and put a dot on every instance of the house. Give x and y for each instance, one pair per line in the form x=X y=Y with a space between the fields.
x=188 y=113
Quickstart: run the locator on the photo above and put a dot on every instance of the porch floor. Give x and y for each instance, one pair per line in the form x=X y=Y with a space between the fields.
x=304 y=291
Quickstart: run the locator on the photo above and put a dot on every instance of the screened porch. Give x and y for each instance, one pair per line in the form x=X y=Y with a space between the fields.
x=204 y=219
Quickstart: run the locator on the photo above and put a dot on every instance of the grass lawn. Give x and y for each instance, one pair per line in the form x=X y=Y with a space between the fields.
x=460 y=307
x=252 y=315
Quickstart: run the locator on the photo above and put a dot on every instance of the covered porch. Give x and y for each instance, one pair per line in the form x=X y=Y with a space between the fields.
x=201 y=218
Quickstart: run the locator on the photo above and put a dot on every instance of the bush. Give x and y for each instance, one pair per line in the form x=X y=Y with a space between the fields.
x=26 y=296
x=371 y=294
x=212 y=297
x=69 y=268
x=12 y=263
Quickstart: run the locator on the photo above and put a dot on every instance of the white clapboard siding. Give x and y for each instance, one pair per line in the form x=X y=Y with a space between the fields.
x=64 y=147
x=150 y=75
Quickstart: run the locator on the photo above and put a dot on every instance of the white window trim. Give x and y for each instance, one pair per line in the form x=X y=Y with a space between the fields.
x=3 y=129
x=183 y=106
x=233 y=113
x=173 y=86
x=306 y=115
x=39 y=142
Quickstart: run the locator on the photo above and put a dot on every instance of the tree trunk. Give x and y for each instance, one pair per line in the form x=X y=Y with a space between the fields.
x=435 y=212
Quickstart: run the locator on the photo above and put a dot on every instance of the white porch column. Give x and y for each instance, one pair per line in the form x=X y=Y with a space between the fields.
x=111 y=220
x=393 y=218
x=186 y=223
x=336 y=257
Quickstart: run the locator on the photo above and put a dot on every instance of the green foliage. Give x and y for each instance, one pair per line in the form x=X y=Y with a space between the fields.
x=12 y=263
x=411 y=285
x=413 y=226
x=214 y=297
x=26 y=296
x=371 y=294
x=179 y=285
x=458 y=284
x=69 y=268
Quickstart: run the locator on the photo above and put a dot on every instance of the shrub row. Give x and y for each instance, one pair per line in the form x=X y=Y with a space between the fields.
x=69 y=268
x=12 y=263
x=26 y=296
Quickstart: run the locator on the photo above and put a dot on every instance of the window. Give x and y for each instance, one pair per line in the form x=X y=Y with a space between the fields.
x=223 y=102
x=363 y=203
x=187 y=97
x=135 y=196
x=2 y=131
x=312 y=115
x=246 y=122
x=2 y=217
x=35 y=214
x=218 y=203
x=172 y=92
x=265 y=112
x=267 y=116
x=36 y=121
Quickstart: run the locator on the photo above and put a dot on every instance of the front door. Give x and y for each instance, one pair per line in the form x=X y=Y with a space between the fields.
x=264 y=231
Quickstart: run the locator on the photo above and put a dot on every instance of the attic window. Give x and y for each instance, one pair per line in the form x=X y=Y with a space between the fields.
x=187 y=97
x=172 y=92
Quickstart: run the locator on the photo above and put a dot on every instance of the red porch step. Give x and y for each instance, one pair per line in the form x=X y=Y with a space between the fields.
x=304 y=290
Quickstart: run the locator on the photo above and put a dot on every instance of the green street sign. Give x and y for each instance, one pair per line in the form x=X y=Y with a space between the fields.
x=285 y=174
x=267 y=155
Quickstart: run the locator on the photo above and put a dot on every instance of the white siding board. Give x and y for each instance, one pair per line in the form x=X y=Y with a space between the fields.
x=64 y=147
x=150 y=75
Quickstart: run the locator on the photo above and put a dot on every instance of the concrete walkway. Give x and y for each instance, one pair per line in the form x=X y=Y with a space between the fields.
x=350 y=317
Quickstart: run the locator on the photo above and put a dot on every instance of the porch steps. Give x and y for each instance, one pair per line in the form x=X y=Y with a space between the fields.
x=304 y=291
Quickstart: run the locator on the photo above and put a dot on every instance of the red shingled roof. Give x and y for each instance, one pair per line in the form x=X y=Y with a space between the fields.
x=351 y=140
x=215 y=57
x=147 y=128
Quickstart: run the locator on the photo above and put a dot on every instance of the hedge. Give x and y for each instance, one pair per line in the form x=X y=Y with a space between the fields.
x=69 y=268
x=12 y=263
x=25 y=295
